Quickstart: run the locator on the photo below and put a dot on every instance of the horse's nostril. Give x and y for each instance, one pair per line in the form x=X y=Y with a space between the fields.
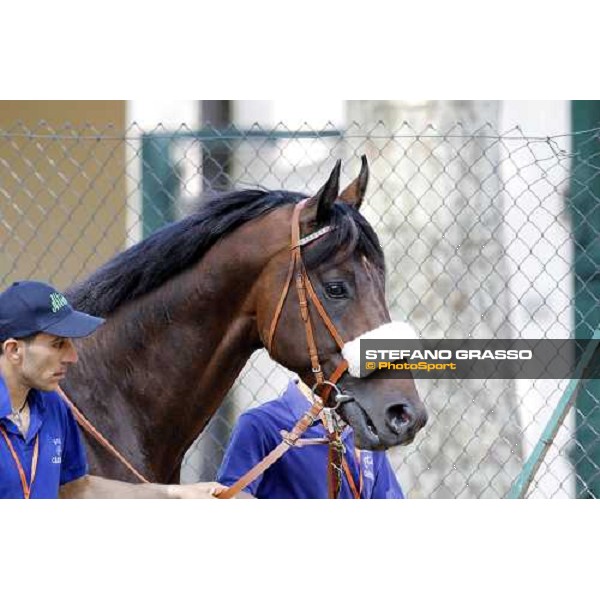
x=399 y=417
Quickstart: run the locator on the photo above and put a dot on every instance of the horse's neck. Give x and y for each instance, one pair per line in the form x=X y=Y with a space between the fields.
x=157 y=383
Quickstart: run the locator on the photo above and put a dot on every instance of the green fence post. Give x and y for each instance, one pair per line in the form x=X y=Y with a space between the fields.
x=531 y=467
x=160 y=183
x=584 y=199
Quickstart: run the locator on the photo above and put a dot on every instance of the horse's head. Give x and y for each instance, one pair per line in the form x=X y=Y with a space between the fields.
x=312 y=324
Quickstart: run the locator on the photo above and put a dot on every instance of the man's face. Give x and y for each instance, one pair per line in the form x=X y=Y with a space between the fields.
x=45 y=360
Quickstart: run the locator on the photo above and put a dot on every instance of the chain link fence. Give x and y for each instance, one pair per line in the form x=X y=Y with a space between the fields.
x=482 y=235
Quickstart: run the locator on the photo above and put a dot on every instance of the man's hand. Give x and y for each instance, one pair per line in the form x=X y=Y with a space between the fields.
x=196 y=491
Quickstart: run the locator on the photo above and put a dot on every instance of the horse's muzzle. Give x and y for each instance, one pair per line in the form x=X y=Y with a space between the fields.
x=400 y=424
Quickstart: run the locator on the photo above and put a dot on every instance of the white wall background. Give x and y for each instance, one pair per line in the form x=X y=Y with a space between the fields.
x=545 y=288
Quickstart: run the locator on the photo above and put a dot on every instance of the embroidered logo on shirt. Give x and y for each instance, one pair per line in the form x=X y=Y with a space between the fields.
x=57 y=301
x=57 y=457
x=367 y=464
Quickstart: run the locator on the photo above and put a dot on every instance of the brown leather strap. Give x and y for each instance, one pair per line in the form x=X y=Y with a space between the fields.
x=334 y=378
x=296 y=223
x=323 y=314
x=334 y=466
x=334 y=478
x=296 y=258
x=281 y=302
x=85 y=424
x=310 y=338
x=289 y=440
x=356 y=492
x=254 y=472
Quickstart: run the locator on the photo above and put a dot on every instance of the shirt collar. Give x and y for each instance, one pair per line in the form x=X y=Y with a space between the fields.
x=34 y=397
x=5 y=405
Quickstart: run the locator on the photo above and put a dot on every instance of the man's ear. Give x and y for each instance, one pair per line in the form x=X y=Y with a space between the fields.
x=12 y=349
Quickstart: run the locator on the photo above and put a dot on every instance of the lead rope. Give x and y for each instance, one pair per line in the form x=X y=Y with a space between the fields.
x=87 y=426
x=289 y=439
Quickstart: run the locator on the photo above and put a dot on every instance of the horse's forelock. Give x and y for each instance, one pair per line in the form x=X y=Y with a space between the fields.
x=351 y=234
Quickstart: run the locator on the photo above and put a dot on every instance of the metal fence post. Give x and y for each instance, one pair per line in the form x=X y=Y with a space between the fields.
x=521 y=485
x=585 y=213
x=160 y=183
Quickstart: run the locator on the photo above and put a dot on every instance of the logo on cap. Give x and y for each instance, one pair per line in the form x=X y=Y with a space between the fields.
x=57 y=301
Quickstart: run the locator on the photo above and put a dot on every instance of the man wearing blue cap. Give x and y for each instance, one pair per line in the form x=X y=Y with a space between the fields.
x=41 y=451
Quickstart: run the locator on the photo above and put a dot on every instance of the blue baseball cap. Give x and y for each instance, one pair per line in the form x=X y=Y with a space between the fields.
x=29 y=307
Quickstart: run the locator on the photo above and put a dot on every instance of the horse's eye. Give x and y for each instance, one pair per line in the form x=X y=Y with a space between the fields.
x=336 y=290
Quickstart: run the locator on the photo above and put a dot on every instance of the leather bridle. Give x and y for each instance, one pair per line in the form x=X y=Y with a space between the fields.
x=306 y=292
x=320 y=403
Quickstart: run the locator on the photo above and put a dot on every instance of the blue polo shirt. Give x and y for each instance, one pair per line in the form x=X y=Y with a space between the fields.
x=61 y=453
x=302 y=471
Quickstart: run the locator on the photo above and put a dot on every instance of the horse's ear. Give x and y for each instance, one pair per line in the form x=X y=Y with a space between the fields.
x=322 y=202
x=354 y=194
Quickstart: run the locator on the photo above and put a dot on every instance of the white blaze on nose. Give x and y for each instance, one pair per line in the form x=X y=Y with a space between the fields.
x=396 y=330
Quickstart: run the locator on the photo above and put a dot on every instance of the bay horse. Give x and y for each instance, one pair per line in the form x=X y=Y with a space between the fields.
x=186 y=307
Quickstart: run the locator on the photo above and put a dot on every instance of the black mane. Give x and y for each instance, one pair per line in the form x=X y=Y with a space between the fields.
x=178 y=246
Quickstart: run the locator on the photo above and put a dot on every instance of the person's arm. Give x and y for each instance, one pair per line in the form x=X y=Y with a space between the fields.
x=75 y=482
x=248 y=445
x=90 y=486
